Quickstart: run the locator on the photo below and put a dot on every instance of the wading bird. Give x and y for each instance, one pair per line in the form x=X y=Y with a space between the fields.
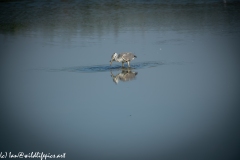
x=123 y=57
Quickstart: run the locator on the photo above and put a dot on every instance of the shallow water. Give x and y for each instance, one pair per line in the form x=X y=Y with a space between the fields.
x=178 y=100
x=107 y=68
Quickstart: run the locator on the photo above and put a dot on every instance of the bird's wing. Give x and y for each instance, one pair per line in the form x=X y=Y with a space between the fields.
x=127 y=56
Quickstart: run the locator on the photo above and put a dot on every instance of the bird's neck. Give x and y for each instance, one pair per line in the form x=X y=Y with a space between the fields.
x=118 y=59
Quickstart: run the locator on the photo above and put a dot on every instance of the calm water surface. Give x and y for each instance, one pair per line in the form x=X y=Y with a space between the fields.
x=179 y=99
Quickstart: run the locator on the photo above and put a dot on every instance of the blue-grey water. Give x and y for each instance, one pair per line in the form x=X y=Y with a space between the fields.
x=178 y=100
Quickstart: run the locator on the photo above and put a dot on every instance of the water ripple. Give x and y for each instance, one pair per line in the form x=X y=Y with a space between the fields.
x=107 y=68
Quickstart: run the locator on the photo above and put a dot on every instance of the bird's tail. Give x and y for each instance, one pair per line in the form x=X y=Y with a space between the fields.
x=135 y=56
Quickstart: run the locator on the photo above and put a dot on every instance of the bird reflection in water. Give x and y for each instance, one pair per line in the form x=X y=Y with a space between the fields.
x=126 y=75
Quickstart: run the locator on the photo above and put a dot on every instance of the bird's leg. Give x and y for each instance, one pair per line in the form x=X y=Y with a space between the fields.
x=128 y=64
x=122 y=64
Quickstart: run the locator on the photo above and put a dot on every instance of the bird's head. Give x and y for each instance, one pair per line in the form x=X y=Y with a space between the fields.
x=114 y=56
